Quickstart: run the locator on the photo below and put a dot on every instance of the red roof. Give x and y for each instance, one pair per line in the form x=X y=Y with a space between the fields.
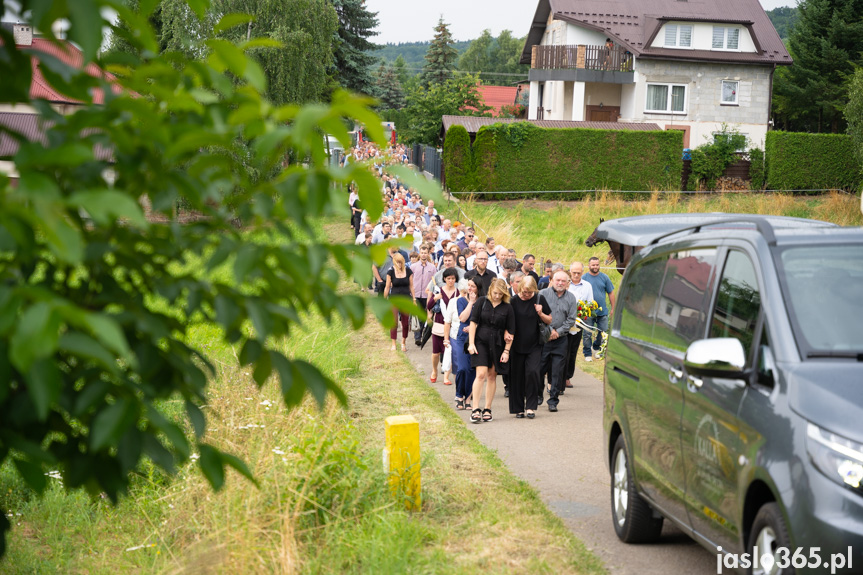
x=498 y=96
x=68 y=53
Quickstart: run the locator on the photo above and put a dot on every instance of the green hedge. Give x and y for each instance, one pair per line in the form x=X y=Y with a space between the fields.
x=798 y=161
x=522 y=157
x=458 y=160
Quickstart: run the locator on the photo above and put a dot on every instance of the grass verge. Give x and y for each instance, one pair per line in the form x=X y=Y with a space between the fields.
x=322 y=505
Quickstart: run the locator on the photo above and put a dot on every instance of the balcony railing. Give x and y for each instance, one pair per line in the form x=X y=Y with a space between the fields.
x=581 y=57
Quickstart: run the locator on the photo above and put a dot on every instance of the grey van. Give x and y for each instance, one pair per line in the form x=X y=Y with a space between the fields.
x=733 y=389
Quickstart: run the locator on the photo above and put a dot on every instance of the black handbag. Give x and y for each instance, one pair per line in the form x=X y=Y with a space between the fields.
x=544 y=331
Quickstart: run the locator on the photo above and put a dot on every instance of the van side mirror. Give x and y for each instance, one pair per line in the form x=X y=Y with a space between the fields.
x=716 y=357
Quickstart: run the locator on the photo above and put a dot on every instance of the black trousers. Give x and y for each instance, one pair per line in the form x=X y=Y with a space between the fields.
x=421 y=302
x=553 y=365
x=571 y=353
x=524 y=380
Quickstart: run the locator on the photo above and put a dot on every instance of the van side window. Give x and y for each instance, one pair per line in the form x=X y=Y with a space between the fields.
x=681 y=316
x=640 y=299
x=738 y=303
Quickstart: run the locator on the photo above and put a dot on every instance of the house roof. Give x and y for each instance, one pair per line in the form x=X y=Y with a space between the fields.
x=634 y=23
x=472 y=124
x=32 y=126
x=69 y=54
x=498 y=96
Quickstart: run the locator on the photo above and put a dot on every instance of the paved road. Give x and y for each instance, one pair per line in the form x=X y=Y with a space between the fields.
x=561 y=455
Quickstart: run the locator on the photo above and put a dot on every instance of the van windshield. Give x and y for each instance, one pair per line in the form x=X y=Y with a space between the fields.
x=823 y=287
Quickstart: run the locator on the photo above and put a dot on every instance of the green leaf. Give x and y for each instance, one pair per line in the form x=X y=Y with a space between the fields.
x=196 y=416
x=84 y=346
x=106 y=329
x=32 y=474
x=312 y=379
x=36 y=337
x=174 y=434
x=105 y=205
x=240 y=466
x=428 y=189
x=261 y=319
x=255 y=76
x=200 y=7
x=251 y=351
x=43 y=386
x=110 y=424
x=212 y=465
x=228 y=21
x=369 y=190
x=292 y=390
x=86 y=27
x=229 y=56
x=263 y=368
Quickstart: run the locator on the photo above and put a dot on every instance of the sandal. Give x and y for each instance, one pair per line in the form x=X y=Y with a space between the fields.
x=404 y=347
x=447 y=382
x=467 y=404
x=459 y=404
x=433 y=379
x=476 y=416
x=486 y=414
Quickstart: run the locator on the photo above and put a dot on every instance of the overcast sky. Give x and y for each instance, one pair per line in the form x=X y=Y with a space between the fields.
x=413 y=21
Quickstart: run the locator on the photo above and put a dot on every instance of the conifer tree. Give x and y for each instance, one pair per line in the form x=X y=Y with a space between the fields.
x=389 y=89
x=352 y=46
x=826 y=44
x=400 y=67
x=441 y=56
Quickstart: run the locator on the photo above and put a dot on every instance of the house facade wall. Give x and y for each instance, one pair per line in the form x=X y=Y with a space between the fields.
x=703 y=112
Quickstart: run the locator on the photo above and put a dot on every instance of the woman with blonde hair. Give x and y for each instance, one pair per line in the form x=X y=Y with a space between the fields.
x=529 y=308
x=492 y=325
x=400 y=281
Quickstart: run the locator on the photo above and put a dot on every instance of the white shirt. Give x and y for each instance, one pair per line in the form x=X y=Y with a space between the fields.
x=582 y=291
x=470 y=262
x=450 y=314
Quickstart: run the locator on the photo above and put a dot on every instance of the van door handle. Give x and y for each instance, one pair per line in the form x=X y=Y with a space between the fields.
x=675 y=374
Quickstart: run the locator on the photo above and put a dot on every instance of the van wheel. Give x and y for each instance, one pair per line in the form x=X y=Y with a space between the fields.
x=633 y=518
x=769 y=532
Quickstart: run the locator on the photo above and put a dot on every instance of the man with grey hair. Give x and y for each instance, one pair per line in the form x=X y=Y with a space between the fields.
x=514 y=282
x=582 y=292
x=564 y=308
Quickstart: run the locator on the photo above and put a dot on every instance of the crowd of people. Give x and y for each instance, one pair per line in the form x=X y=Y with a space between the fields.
x=490 y=313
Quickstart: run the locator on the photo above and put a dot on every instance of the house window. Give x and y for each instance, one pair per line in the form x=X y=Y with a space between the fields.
x=736 y=139
x=729 y=92
x=679 y=36
x=669 y=308
x=669 y=98
x=725 y=38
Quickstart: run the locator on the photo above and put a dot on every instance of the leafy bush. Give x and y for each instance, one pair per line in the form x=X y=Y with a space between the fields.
x=458 y=160
x=709 y=161
x=756 y=169
x=799 y=161
x=522 y=157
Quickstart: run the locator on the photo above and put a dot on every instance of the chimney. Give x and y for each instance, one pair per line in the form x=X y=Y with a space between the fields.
x=23 y=34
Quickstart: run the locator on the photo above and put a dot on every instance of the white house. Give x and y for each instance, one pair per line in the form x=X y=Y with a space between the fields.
x=683 y=65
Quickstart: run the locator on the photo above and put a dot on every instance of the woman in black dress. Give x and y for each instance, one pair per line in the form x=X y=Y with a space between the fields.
x=529 y=309
x=492 y=325
x=400 y=281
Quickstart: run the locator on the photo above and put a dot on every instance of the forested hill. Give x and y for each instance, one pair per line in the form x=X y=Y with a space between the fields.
x=413 y=52
x=783 y=19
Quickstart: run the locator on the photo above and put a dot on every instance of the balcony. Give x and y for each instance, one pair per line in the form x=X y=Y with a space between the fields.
x=581 y=64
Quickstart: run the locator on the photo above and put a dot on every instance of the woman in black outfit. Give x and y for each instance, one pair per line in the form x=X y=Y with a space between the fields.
x=492 y=325
x=400 y=281
x=529 y=309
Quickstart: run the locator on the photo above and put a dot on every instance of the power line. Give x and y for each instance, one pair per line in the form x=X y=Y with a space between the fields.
x=472 y=72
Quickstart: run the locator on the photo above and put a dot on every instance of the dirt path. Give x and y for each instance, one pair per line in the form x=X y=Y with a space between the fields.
x=561 y=455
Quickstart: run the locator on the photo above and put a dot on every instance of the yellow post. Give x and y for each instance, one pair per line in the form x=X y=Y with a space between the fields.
x=402 y=459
